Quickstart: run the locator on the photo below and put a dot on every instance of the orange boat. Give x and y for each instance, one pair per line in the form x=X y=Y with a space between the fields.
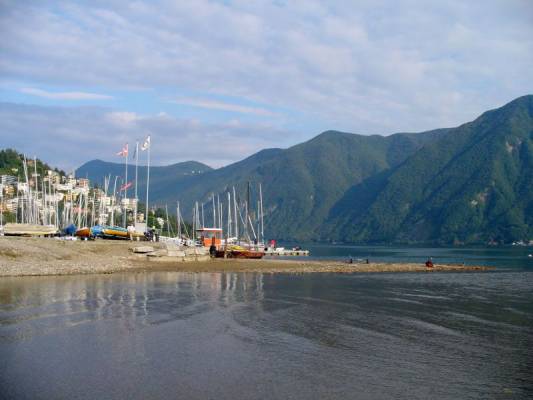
x=83 y=233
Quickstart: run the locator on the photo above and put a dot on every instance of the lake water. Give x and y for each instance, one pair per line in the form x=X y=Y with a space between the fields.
x=516 y=257
x=246 y=336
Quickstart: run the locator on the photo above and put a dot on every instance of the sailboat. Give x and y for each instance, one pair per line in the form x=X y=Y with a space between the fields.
x=232 y=247
x=32 y=223
x=84 y=232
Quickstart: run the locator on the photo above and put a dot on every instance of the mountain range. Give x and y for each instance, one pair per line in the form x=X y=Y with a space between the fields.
x=468 y=184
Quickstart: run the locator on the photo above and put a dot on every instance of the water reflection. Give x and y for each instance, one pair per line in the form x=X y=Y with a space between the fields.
x=42 y=304
x=238 y=335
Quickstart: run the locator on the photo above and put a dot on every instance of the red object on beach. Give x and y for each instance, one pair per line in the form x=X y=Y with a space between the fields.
x=245 y=253
x=250 y=254
x=429 y=264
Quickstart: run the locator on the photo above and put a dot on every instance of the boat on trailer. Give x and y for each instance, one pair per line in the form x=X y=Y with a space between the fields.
x=15 y=229
x=110 y=232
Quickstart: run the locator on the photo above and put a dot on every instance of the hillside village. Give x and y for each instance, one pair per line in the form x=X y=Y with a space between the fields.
x=33 y=193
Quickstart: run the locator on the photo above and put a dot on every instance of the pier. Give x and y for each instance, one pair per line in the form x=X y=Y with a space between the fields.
x=281 y=251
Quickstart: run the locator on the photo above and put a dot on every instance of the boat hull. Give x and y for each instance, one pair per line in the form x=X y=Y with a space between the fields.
x=83 y=233
x=115 y=232
x=236 y=251
x=110 y=232
x=248 y=254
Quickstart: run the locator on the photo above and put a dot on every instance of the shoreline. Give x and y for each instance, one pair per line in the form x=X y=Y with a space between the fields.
x=46 y=257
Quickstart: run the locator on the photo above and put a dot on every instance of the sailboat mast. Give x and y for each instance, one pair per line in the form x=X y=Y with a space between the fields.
x=247 y=210
x=86 y=216
x=148 y=182
x=167 y=220
x=184 y=225
x=27 y=193
x=220 y=213
x=44 y=208
x=36 y=184
x=258 y=221
x=136 y=175
x=261 y=212
x=229 y=214
x=235 y=213
x=214 y=212
x=113 y=202
x=178 y=219
x=125 y=214
x=92 y=210
x=193 y=221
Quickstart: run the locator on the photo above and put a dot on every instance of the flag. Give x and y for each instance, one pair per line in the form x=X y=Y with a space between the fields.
x=146 y=143
x=126 y=186
x=124 y=151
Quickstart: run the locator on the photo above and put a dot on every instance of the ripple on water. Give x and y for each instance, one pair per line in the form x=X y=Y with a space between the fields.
x=230 y=336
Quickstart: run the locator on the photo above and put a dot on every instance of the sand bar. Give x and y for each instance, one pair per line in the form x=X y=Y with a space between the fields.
x=39 y=256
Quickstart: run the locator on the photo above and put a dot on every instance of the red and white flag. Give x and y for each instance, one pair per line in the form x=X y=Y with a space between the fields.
x=126 y=186
x=124 y=151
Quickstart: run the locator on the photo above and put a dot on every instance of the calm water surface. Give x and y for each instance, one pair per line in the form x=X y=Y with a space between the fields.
x=246 y=336
x=516 y=257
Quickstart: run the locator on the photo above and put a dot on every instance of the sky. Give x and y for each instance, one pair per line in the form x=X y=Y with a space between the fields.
x=216 y=81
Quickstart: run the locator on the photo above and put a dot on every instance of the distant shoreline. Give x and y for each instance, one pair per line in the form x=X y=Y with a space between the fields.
x=45 y=257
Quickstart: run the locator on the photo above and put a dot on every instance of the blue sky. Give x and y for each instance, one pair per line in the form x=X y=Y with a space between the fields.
x=216 y=81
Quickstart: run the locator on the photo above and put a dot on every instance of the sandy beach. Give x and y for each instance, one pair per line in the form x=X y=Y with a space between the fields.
x=38 y=256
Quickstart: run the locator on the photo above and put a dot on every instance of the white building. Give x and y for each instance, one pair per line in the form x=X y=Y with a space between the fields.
x=8 y=179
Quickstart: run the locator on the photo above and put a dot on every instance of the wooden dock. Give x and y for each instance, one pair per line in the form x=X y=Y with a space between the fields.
x=285 y=252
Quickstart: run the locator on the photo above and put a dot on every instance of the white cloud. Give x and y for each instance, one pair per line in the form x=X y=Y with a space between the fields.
x=122 y=118
x=371 y=66
x=69 y=136
x=64 y=95
x=219 y=105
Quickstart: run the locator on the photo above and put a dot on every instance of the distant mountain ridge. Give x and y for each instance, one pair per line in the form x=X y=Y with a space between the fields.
x=469 y=184
x=160 y=177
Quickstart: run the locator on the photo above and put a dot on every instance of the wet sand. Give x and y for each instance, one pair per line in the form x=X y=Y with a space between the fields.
x=272 y=265
x=39 y=256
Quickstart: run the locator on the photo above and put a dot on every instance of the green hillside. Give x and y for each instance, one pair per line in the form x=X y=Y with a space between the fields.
x=301 y=183
x=11 y=163
x=473 y=184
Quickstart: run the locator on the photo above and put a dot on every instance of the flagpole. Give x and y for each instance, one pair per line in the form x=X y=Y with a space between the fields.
x=148 y=183
x=136 y=167
x=126 y=189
